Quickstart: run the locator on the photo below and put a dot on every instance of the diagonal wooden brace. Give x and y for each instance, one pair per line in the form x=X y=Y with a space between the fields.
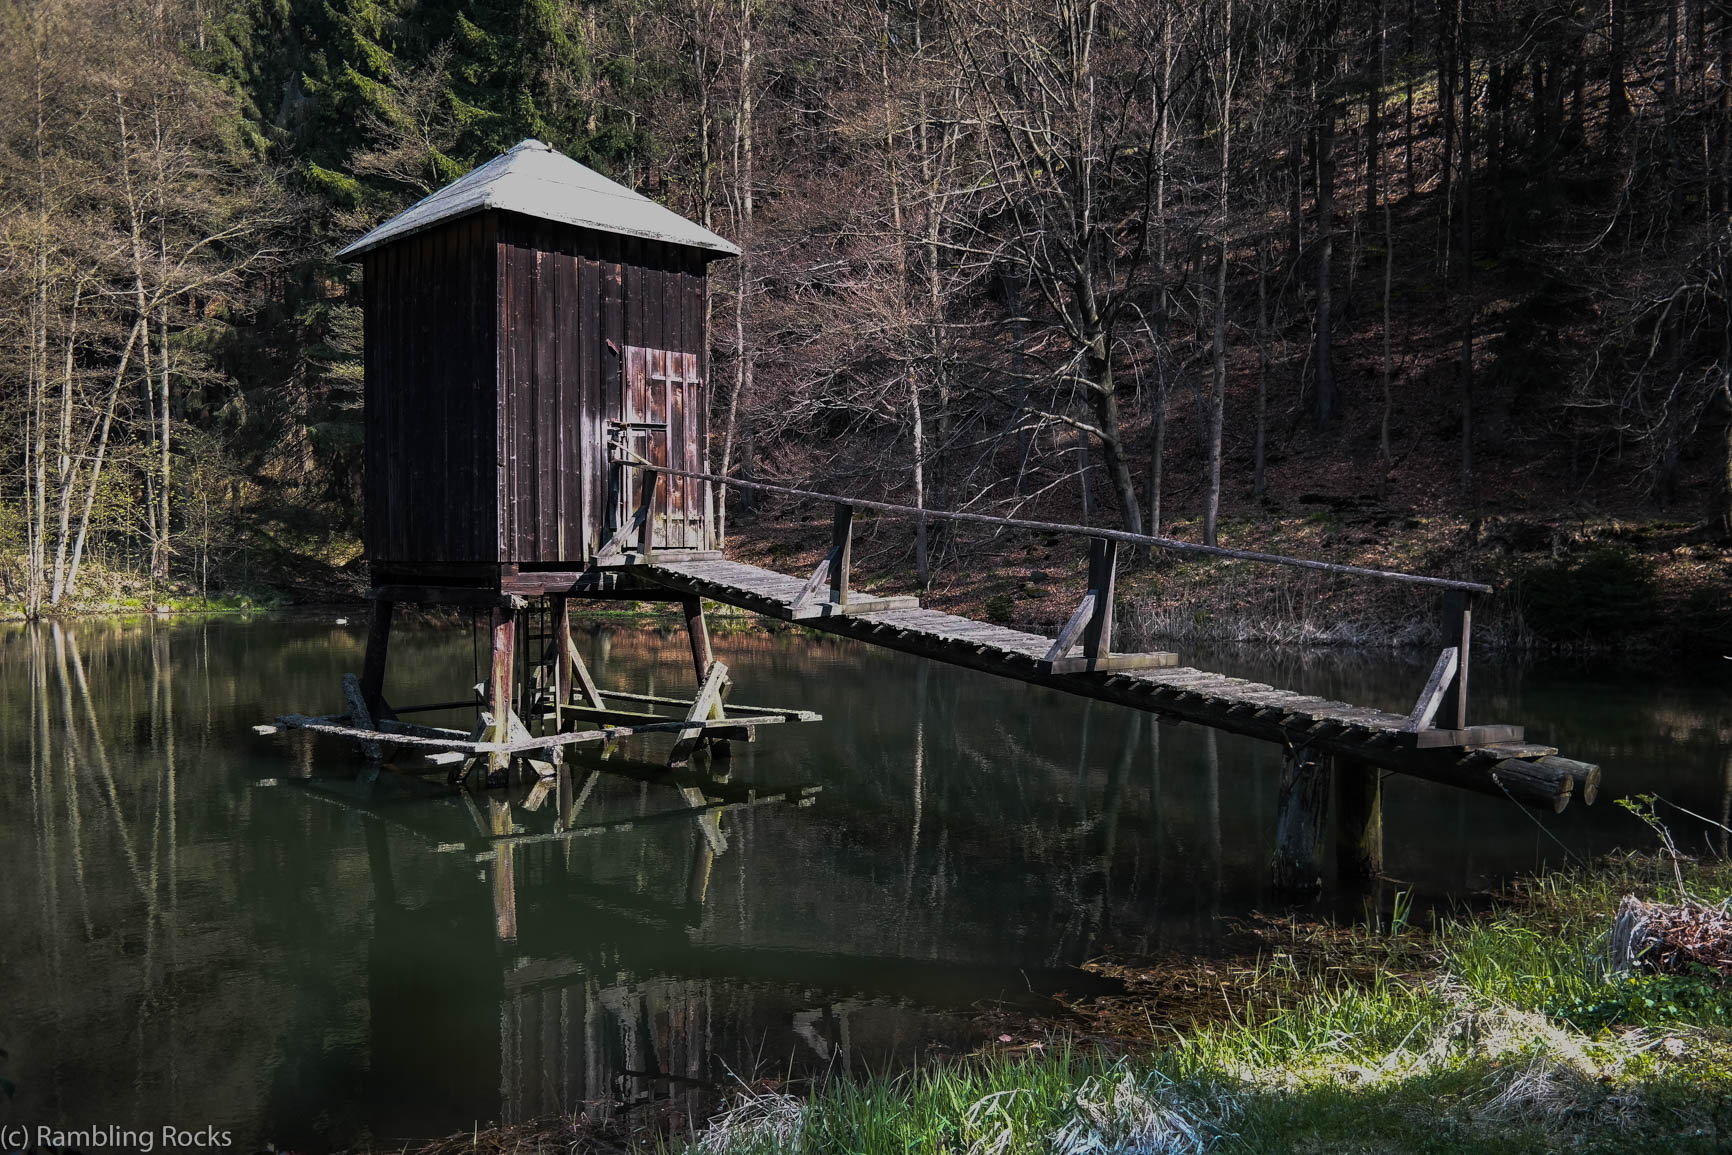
x=1072 y=629
x=639 y=520
x=809 y=592
x=1437 y=686
x=707 y=705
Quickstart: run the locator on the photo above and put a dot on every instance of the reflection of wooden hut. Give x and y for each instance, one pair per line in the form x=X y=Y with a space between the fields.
x=518 y=320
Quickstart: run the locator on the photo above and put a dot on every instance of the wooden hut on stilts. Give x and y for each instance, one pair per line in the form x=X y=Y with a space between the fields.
x=531 y=330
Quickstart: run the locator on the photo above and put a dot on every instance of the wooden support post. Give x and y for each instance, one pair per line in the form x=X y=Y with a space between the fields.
x=841 y=552
x=361 y=717
x=373 y=665
x=698 y=631
x=1358 y=818
x=499 y=686
x=562 y=660
x=1103 y=574
x=1304 y=802
x=1457 y=632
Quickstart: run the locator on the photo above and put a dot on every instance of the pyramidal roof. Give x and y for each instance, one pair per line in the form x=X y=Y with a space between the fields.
x=539 y=181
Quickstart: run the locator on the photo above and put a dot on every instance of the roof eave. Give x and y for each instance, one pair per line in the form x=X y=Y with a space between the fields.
x=720 y=246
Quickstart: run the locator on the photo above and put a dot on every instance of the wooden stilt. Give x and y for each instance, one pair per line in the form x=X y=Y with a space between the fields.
x=499 y=687
x=562 y=660
x=1304 y=802
x=361 y=717
x=699 y=632
x=373 y=665
x=1358 y=819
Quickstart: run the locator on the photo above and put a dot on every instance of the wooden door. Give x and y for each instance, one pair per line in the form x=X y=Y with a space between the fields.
x=663 y=407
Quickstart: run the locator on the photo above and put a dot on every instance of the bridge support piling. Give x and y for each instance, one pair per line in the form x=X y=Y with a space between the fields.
x=1303 y=805
x=1358 y=819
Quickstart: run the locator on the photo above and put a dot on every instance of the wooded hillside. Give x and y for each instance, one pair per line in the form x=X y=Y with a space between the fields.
x=1124 y=261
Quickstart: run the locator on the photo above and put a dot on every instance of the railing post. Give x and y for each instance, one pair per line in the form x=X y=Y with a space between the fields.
x=1458 y=632
x=1103 y=574
x=841 y=552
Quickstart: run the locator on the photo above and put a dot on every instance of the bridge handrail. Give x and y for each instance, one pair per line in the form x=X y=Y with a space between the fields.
x=1101 y=532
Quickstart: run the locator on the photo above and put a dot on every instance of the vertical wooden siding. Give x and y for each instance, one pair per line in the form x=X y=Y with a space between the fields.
x=430 y=384
x=572 y=301
x=495 y=359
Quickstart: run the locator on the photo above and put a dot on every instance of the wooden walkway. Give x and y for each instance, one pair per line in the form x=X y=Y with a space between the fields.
x=1487 y=759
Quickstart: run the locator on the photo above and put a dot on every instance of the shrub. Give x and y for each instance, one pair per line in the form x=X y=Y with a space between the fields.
x=1604 y=596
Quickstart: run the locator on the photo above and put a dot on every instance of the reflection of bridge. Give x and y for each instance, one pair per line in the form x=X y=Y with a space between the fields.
x=607 y=997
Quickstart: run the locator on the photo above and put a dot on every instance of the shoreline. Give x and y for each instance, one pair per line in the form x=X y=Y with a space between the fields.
x=1489 y=1030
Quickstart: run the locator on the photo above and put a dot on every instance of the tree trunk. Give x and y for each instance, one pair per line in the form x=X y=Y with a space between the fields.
x=922 y=564
x=1218 y=390
x=1217 y=398
x=1105 y=402
x=65 y=475
x=1384 y=456
x=96 y=462
x=1326 y=401
x=1260 y=455
x=1467 y=481
x=1617 y=99
x=743 y=366
x=1446 y=77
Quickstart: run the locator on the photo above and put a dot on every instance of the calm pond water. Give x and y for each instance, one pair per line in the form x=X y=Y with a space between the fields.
x=202 y=926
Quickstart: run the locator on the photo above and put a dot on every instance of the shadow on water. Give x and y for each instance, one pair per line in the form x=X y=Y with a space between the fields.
x=205 y=925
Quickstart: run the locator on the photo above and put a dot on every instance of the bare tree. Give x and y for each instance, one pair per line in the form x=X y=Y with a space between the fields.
x=1060 y=95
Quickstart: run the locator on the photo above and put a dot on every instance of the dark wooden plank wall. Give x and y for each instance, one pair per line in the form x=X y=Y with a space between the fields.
x=495 y=357
x=430 y=421
x=565 y=295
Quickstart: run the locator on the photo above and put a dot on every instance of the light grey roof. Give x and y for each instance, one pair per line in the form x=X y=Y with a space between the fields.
x=539 y=181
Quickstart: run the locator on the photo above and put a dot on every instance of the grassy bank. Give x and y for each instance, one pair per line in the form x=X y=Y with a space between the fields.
x=1496 y=1031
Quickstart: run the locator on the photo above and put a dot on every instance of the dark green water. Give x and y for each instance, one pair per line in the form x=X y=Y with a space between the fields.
x=184 y=942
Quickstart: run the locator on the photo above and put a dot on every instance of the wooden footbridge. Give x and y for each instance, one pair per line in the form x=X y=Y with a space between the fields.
x=536 y=434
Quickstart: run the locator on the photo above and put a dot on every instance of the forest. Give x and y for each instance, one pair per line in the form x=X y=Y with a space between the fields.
x=1180 y=267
